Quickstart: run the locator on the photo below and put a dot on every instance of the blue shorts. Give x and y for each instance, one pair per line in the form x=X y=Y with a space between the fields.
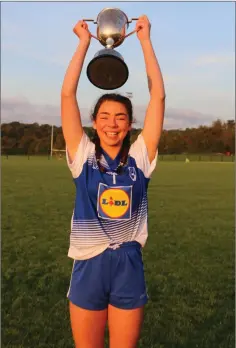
x=113 y=277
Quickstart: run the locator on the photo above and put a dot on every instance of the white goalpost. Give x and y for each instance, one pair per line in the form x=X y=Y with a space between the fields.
x=58 y=153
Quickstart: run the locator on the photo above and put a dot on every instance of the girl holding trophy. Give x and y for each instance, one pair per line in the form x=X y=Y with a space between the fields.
x=109 y=221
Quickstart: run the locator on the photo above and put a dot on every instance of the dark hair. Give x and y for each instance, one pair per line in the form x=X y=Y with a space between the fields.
x=126 y=142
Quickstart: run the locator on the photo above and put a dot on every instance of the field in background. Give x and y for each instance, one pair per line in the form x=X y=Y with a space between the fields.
x=181 y=158
x=189 y=257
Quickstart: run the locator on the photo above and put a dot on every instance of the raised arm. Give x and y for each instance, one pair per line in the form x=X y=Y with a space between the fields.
x=154 y=118
x=70 y=113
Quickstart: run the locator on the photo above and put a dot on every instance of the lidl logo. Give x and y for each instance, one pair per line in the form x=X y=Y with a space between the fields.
x=114 y=202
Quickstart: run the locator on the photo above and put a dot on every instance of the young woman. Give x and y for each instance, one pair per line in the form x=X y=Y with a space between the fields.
x=109 y=222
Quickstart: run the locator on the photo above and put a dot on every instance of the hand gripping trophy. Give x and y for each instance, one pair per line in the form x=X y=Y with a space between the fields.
x=107 y=70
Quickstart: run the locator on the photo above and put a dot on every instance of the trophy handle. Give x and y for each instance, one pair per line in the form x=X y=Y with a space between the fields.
x=91 y=20
x=132 y=19
x=132 y=32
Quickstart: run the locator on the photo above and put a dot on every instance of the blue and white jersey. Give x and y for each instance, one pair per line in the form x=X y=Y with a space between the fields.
x=109 y=208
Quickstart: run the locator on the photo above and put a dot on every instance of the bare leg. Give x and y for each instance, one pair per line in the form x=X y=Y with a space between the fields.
x=88 y=327
x=124 y=326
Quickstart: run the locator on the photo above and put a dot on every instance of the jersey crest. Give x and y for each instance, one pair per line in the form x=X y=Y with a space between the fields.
x=132 y=173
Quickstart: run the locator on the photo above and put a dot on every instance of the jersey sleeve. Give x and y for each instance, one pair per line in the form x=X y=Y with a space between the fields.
x=138 y=151
x=85 y=148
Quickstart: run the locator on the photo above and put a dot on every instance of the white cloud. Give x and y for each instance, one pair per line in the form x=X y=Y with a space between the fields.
x=177 y=118
x=186 y=118
x=22 y=110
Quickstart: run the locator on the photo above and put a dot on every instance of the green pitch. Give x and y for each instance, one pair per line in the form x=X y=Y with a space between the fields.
x=189 y=257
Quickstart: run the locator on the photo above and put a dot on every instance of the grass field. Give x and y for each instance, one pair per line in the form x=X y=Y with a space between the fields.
x=189 y=257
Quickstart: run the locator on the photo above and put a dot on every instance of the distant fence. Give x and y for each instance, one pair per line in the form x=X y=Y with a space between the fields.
x=16 y=157
x=197 y=158
x=164 y=158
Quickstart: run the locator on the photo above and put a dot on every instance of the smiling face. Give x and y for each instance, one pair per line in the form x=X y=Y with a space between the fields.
x=112 y=124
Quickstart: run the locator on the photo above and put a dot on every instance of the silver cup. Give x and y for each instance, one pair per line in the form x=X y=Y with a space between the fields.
x=107 y=70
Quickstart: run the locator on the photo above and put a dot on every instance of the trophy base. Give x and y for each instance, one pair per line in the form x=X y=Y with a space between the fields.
x=107 y=72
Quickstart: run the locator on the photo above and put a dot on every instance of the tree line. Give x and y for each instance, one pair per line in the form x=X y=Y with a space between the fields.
x=34 y=139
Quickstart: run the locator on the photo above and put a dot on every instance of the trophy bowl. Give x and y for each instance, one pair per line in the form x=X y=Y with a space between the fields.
x=111 y=24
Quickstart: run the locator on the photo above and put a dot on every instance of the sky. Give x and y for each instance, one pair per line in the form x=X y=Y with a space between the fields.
x=194 y=44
